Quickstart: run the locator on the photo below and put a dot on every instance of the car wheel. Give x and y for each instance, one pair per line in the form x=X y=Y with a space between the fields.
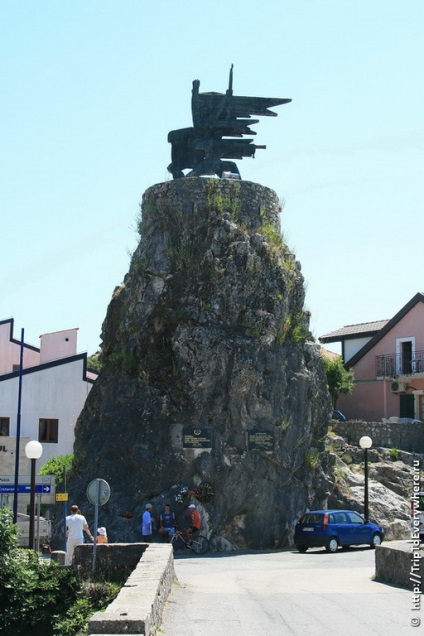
x=376 y=540
x=302 y=548
x=332 y=545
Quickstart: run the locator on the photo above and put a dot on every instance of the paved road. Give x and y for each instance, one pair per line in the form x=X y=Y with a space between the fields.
x=285 y=593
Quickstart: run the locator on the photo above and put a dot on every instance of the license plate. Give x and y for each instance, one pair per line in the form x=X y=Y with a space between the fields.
x=308 y=529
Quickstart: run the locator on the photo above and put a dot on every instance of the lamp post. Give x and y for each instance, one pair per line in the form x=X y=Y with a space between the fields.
x=33 y=450
x=365 y=442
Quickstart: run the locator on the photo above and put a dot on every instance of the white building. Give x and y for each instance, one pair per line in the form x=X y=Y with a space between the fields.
x=55 y=384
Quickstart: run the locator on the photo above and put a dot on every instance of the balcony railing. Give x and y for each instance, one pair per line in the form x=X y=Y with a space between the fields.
x=395 y=364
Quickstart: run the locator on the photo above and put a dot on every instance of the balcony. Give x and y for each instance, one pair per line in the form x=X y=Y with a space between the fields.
x=396 y=364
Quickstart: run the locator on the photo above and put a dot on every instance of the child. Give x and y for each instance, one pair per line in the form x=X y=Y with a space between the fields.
x=101 y=535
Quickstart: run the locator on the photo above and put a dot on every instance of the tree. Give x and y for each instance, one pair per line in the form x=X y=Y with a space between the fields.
x=94 y=362
x=57 y=466
x=339 y=380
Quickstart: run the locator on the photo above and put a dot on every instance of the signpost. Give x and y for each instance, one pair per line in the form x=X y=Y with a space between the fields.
x=25 y=489
x=45 y=486
x=98 y=493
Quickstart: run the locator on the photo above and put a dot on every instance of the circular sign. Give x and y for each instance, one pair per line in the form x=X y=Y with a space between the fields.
x=98 y=492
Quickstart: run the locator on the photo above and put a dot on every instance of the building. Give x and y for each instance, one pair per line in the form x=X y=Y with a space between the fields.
x=55 y=383
x=387 y=358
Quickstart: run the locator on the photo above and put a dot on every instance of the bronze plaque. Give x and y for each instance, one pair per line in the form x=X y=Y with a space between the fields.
x=260 y=440
x=197 y=438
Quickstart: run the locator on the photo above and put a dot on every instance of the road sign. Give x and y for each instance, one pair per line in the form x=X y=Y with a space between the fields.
x=61 y=496
x=25 y=489
x=98 y=492
x=26 y=479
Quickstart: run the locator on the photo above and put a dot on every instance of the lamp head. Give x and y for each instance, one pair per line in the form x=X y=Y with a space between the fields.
x=365 y=442
x=33 y=450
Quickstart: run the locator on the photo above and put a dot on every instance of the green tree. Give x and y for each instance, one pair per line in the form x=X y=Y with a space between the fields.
x=57 y=466
x=95 y=362
x=339 y=380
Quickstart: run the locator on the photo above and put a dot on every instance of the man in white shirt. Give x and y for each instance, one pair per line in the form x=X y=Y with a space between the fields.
x=76 y=524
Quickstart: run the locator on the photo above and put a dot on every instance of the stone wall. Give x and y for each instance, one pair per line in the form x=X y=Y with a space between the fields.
x=114 y=561
x=139 y=605
x=398 y=564
x=407 y=437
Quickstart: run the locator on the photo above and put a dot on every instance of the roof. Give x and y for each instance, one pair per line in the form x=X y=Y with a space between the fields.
x=353 y=331
x=331 y=355
x=418 y=298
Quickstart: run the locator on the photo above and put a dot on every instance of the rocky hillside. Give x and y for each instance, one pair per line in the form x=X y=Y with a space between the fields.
x=208 y=335
x=390 y=475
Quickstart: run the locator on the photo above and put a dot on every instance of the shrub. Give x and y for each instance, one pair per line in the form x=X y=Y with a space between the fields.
x=38 y=598
x=394 y=454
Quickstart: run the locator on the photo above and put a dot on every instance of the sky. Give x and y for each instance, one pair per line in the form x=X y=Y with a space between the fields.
x=91 y=88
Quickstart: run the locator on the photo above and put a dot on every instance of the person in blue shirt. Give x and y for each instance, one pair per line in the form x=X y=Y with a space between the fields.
x=166 y=523
x=147 y=523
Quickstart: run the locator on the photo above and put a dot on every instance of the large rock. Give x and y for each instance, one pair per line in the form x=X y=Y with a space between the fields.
x=208 y=331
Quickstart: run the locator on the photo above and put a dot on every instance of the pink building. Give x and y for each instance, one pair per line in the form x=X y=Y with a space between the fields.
x=387 y=358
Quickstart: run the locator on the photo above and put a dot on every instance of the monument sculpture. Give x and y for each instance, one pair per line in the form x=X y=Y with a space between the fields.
x=220 y=122
x=212 y=390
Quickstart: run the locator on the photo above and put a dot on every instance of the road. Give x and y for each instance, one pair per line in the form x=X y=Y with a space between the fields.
x=285 y=593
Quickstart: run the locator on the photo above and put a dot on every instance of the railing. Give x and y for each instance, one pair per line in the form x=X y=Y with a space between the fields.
x=395 y=364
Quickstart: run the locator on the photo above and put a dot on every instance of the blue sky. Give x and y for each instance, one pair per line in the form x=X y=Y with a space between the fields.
x=90 y=90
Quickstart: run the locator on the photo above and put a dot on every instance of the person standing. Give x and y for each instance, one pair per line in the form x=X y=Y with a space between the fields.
x=147 y=523
x=76 y=525
x=166 y=523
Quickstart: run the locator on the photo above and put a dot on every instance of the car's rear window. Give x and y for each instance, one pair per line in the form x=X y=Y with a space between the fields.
x=311 y=518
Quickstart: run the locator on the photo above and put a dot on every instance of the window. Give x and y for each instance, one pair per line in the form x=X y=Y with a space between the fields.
x=48 y=431
x=421 y=411
x=355 y=518
x=4 y=426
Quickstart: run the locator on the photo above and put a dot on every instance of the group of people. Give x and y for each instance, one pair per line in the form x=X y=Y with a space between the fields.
x=166 y=523
x=76 y=525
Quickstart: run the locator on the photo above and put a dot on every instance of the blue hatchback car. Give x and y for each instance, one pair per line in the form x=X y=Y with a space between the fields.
x=333 y=528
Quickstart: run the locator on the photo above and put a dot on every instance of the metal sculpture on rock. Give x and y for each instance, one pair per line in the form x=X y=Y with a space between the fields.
x=220 y=122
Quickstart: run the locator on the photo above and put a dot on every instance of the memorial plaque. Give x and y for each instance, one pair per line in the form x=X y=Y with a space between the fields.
x=197 y=438
x=260 y=440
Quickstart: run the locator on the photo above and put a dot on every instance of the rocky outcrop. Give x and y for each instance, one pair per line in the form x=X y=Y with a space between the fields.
x=391 y=482
x=208 y=333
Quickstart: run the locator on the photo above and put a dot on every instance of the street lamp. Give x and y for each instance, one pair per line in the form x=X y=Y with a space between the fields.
x=366 y=442
x=33 y=450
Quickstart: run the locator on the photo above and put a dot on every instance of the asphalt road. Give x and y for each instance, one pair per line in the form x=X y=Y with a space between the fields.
x=285 y=593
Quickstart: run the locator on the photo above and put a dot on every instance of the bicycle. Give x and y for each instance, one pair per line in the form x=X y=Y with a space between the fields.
x=199 y=544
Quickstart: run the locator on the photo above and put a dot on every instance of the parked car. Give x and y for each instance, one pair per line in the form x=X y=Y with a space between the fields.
x=338 y=415
x=333 y=528
x=44 y=526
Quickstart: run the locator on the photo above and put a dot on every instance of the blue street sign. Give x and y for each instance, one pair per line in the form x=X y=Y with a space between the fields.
x=25 y=489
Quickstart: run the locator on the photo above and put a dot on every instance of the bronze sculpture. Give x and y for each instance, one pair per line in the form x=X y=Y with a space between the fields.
x=219 y=123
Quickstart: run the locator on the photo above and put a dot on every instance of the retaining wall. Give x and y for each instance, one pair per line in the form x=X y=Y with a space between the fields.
x=398 y=564
x=139 y=605
x=407 y=437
